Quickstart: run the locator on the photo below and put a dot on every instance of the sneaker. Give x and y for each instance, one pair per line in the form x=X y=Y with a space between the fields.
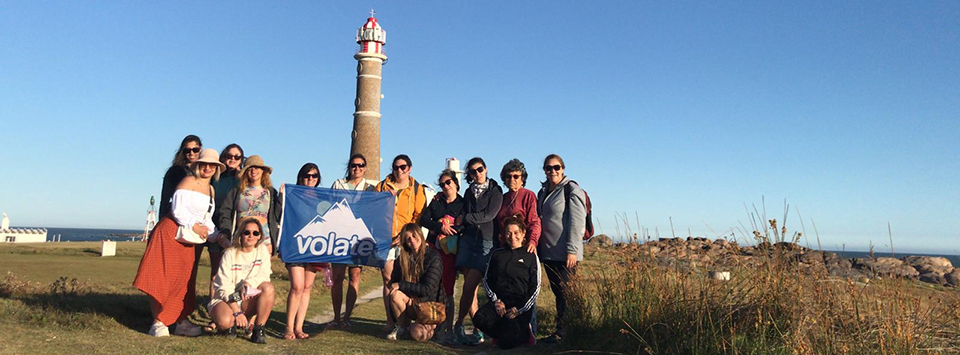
x=395 y=333
x=552 y=339
x=258 y=335
x=187 y=329
x=159 y=330
x=461 y=335
x=444 y=337
x=478 y=337
x=531 y=341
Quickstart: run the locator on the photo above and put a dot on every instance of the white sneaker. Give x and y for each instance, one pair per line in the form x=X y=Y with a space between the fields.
x=187 y=329
x=395 y=333
x=159 y=330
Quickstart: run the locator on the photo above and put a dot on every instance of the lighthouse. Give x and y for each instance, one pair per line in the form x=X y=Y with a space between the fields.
x=366 y=116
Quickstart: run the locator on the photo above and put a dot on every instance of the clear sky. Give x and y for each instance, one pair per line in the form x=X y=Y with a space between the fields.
x=685 y=110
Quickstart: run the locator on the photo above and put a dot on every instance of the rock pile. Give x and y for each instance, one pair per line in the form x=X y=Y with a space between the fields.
x=723 y=253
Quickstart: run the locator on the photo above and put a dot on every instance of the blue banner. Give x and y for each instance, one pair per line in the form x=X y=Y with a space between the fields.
x=321 y=225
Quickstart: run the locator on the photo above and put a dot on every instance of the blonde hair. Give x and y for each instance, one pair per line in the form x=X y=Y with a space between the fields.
x=196 y=170
x=264 y=179
x=411 y=261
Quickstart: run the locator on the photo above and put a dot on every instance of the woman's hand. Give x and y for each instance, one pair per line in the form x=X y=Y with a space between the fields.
x=512 y=313
x=501 y=309
x=241 y=321
x=532 y=248
x=571 y=261
x=201 y=230
x=448 y=230
x=393 y=287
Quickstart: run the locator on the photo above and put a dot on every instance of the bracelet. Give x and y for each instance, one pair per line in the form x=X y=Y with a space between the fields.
x=237 y=313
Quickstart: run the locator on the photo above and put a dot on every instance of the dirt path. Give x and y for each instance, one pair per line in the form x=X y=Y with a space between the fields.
x=327 y=315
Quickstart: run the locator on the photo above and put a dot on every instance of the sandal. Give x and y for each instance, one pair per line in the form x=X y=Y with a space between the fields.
x=334 y=325
x=302 y=335
x=289 y=336
x=345 y=324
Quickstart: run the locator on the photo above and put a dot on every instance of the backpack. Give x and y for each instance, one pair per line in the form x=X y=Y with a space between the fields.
x=567 y=190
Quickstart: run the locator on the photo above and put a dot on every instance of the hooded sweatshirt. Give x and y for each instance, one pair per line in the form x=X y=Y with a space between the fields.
x=562 y=223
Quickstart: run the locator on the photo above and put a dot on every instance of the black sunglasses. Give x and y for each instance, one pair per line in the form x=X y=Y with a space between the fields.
x=554 y=167
x=448 y=182
x=234 y=157
x=311 y=176
x=515 y=176
x=193 y=150
x=478 y=170
x=255 y=233
x=355 y=165
x=400 y=167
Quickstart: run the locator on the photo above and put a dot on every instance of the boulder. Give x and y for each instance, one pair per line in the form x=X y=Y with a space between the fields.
x=933 y=278
x=602 y=240
x=928 y=260
x=953 y=278
x=888 y=263
x=936 y=269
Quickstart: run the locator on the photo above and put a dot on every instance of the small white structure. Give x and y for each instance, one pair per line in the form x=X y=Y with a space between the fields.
x=454 y=164
x=720 y=275
x=108 y=248
x=20 y=235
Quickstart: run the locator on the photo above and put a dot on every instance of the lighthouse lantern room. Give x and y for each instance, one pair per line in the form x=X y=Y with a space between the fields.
x=371 y=36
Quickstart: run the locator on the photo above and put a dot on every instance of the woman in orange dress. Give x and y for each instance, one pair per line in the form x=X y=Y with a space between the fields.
x=167 y=271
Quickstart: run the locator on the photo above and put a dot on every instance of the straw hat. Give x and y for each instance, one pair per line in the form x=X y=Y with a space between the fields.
x=255 y=160
x=209 y=156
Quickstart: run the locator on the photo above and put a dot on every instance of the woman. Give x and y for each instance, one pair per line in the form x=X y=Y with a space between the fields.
x=232 y=158
x=563 y=217
x=512 y=282
x=415 y=279
x=356 y=167
x=188 y=153
x=301 y=274
x=482 y=202
x=243 y=288
x=410 y=202
x=253 y=197
x=520 y=201
x=439 y=218
x=167 y=271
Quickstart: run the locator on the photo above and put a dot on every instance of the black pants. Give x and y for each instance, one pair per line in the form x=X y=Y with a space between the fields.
x=559 y=275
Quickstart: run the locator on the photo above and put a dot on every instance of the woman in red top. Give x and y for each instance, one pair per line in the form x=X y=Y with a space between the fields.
x=519 y=201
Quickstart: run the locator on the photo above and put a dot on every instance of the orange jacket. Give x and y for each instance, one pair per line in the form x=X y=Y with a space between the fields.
x=410 y=202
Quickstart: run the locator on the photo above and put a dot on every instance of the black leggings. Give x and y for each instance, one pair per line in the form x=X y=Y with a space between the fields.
x=559 y=275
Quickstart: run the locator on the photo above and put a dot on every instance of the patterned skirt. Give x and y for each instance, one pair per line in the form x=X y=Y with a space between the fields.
x=168 y=273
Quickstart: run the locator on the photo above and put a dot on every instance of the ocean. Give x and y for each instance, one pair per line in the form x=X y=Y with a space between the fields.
x=88 y=235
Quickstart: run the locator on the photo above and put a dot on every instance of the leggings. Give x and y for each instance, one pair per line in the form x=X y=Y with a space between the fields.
x=559 y=275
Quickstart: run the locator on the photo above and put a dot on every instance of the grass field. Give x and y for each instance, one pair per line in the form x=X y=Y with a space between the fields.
x=65 y=298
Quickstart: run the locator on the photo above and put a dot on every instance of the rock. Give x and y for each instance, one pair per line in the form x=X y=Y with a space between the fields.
x=928 y=260
x=936 y=269
x=887 y=262
x=953 y=278
x=602 y=240
x=933 y=278
x=906 y=271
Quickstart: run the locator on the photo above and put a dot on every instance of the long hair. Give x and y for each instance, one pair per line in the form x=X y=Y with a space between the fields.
x=236 y=242
x=223 y=159
x=346 y=175
x=180 y=159
x=470 y=163
x=264 y=181
x=450 y=174
x=411 y=261
x=305 y=169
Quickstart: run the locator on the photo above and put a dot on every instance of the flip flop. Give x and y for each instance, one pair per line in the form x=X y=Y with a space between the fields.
x=302 y=335
x=289 y=336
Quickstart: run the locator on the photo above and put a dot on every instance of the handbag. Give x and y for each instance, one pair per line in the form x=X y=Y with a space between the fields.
x=429 y=313
x=186 y=235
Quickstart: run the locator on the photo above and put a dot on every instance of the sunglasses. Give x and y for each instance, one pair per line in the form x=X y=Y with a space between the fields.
x=311 y=176
x=194 y=150
x=478 y=170
x=400 y=167
x=447 y=183
x=515 y=176
x=255 y=233
x=359 y=166
x=554 y=167
x=234 y=157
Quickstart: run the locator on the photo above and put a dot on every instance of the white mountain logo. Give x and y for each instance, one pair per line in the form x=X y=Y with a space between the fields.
x=320 y=236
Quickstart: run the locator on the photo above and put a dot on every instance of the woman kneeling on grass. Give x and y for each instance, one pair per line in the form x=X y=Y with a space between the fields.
x=512 y=282
x=243 y=288
x=415 y=279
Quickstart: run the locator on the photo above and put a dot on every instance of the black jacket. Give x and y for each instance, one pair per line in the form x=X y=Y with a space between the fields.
x=513 y=277
x=430 y=218
x=480 y=213
x=171 y=179
x=228 y=215
x=427 y=289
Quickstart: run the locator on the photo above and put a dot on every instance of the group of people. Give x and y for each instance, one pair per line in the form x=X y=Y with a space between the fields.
x=494 y=237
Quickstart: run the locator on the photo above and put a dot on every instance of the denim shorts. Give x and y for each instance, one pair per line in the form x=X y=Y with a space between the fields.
x=473 y=253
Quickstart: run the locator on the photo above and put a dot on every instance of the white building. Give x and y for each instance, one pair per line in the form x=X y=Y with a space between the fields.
x=21 y=235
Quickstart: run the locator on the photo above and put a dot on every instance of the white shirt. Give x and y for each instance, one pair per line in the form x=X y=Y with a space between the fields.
x=190 y=207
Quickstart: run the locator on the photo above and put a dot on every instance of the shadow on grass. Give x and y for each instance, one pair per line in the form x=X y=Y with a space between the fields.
x=78 y=310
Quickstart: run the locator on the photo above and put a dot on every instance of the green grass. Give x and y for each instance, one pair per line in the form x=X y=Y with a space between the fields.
x=46 y=311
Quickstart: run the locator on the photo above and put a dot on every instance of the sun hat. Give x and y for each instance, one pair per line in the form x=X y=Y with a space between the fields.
x=209 y=156
x=255 y=160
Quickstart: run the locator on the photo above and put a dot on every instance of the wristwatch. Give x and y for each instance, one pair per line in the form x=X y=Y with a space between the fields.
x=237 y=313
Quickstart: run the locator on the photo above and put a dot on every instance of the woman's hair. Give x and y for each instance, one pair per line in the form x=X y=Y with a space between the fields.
x=517 y=220
x=450 y=174
x=352 y=157
x=554 y=156
x=470 y=163
x=223 y=158
x=305 y=169
x=405 y=159
x=411 y=261
x=264 y=180
x=196 y=171
x=180 y=159
x=511 y=166
x=237 y=241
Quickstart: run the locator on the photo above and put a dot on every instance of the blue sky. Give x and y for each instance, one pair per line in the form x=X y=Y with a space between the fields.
x=683 y=110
